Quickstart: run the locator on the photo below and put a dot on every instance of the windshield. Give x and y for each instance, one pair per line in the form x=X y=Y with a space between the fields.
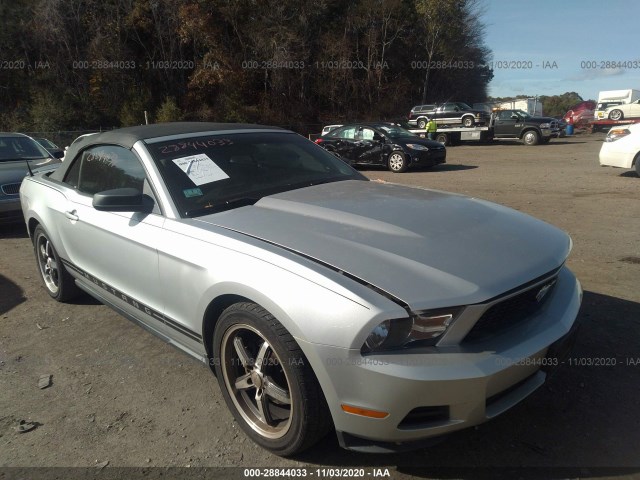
x=212 y=173
x=395 y=131
x=45 y=143
x=20 y=148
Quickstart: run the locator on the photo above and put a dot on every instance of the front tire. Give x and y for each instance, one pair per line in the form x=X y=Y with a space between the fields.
x=267 y=381
x=468 y=121
x=616 y=115
x=397 y=162
x=422 y=123
x=59 y=283
x=531 y=138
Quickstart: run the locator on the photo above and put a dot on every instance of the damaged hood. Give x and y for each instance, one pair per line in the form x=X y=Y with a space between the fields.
x=427 y=248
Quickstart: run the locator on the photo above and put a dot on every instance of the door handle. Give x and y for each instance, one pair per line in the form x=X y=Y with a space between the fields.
x=71 y=215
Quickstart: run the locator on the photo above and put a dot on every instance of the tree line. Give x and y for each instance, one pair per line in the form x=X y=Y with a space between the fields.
x=74 y=64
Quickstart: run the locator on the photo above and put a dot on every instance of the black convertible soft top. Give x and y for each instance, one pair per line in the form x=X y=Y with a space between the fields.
x=127 y=137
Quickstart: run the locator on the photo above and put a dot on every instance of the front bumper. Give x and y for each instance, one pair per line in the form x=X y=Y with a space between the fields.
x=436 y=391
x=611 y=155
x=427 y=159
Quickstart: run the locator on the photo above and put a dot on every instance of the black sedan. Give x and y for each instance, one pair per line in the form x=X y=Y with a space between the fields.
x=384 y=144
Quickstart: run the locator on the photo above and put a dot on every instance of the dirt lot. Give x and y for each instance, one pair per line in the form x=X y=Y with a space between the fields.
x=123 y=396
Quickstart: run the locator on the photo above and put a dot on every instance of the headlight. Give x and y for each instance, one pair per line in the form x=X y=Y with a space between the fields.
x=415 y=146
x=421 y=330
x=616 y=134
x=545 y=125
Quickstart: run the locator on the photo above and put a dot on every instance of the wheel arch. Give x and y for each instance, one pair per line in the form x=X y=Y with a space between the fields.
x=212 y=314
x=32 y=223
x=528 y=129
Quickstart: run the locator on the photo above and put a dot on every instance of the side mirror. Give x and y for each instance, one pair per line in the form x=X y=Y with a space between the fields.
x=122 y=200
x=58 y=154
x=515 y=117
x=378 y=138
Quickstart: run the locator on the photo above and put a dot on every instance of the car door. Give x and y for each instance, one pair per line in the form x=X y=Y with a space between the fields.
x=344 y=142
x=507 y=124
x=633 y=110
x=115 y=252
x=369 y=148
x=448 y=114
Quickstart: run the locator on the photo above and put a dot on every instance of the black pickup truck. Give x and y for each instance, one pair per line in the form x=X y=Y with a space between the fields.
x=510 y=124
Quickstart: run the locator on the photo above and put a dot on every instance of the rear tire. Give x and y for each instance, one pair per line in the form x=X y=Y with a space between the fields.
x=443 y=138
x=59 y=283
x=267 y=381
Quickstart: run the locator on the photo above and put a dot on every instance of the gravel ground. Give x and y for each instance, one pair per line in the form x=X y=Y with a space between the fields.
x=122 y=396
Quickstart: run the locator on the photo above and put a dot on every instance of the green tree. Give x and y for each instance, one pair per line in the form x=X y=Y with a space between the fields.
x=168 y=111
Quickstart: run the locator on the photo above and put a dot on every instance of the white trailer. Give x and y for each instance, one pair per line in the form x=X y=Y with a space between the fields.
x=532 y=106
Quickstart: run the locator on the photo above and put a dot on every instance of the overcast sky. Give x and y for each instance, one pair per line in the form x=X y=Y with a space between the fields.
x=566 y=33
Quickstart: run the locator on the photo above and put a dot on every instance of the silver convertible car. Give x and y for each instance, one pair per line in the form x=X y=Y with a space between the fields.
x=320 y=299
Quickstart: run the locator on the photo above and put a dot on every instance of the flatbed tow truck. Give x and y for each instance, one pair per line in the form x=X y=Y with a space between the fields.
x=503 y=125
x=598 y=125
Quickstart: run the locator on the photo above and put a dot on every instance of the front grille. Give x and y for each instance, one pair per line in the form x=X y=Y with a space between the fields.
x=512 y=311
x=11 y=189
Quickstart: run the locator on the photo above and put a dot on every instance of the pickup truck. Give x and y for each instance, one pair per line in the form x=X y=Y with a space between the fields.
x=503 y=125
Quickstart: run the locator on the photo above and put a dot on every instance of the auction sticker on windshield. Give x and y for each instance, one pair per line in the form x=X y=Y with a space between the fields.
x=200 y=169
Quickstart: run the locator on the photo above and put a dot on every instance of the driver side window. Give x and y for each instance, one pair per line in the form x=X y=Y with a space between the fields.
x=366 y=134
x=348 y=133
x=506 y=115
x=107 y=167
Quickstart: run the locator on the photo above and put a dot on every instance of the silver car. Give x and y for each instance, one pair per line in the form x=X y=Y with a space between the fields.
x=320 y=299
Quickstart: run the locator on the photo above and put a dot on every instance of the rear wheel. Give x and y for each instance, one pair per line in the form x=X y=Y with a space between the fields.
x=616 y=115
x=60 y=285
x=531 y=137
x=397 y=162
x=267 y=382
x=443 y=138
